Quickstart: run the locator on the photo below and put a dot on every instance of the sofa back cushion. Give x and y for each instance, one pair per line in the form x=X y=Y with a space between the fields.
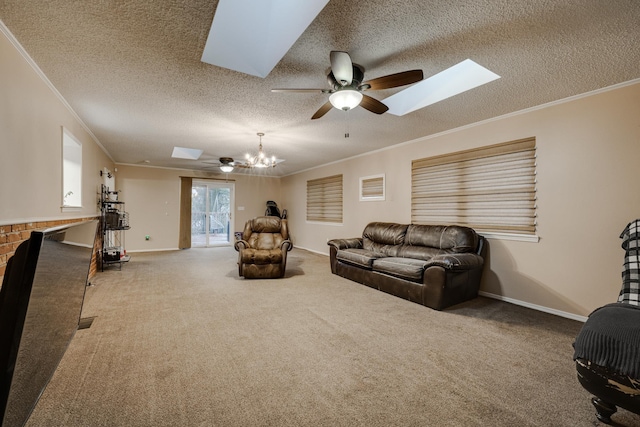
x=383 y=237
x=418 y=252
x=447 y=238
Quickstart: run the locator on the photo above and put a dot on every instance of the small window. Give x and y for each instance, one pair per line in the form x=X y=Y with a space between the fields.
x=372 y=188
x=71 y=171
x=491 y=189
x=324 y=199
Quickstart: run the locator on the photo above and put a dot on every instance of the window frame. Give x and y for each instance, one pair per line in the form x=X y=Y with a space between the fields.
x=491 y=189
x=363 y=188
x=71 y=172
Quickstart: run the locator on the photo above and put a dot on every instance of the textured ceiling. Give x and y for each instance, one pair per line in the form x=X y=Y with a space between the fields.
x=131 y=70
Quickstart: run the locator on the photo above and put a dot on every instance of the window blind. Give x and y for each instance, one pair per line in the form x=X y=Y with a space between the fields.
x=491 y=189
x=324 y=199
x=372 y=188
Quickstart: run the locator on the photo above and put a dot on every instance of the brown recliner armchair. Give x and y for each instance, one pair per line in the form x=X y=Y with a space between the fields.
x=262 y=252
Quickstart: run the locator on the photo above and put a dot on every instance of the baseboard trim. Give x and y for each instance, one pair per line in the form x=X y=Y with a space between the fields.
x=535 y=306
x=311 y=250
x=152 y=250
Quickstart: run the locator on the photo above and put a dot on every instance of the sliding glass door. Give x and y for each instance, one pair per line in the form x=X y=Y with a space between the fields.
x=211 y=213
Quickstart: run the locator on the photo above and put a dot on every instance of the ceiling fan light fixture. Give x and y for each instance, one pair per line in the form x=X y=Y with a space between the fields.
x=226 y=164
x=345 y=99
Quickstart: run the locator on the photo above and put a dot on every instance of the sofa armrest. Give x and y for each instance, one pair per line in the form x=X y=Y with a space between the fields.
x=339 y=244
x=465 y=261
x=352 y=243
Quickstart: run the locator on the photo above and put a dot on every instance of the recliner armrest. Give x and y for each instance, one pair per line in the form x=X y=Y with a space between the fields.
x=352 y=243
x=240 y=244
x=464 y=261
x=286 y=245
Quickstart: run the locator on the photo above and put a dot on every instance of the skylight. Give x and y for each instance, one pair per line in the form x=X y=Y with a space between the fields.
x=252 y=36
x=186 y=153
x=460 y=78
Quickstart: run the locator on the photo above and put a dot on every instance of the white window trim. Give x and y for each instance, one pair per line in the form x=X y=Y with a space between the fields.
x=68 y=136
x=364 y=198
x=505 y=236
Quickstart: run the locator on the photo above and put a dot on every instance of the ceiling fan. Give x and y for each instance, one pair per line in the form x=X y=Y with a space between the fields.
x=225 y=164
x=346 y=85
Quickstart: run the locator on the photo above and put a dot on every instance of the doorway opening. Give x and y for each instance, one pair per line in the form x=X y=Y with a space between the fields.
x=211 y=213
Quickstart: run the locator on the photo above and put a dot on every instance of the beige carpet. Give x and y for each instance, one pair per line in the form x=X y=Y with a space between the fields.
x=180 y=340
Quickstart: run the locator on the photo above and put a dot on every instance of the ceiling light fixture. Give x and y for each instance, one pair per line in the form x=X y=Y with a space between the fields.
x=260 y=160
x=226 y=164
x=345 y=99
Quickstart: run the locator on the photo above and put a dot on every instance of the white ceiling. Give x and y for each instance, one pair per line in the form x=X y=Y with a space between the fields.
x=132 y=71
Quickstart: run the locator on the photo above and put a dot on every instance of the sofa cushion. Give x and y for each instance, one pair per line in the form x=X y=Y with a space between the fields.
x=406 y=268
x=360 y=257
x=451 y=239
x=383 y=237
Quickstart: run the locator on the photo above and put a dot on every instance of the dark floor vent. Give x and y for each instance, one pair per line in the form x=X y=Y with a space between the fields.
x=85 y=323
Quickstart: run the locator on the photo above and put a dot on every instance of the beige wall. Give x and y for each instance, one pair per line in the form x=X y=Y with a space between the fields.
x=31 y=121
x=152 y=197
x=588 y=151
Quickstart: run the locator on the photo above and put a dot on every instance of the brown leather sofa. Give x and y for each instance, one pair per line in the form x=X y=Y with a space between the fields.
x=433 y=265
x=262 y=251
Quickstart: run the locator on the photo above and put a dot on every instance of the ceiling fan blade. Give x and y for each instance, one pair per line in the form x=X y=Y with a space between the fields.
x=395 y=80
x=341 y=67
x=322 y=111
x=299 y=90
x=373 y=105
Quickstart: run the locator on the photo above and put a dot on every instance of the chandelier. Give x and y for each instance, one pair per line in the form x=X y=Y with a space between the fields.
x=260 y=160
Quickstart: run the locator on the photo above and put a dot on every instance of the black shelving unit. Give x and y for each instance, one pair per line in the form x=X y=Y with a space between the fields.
x=114 y=222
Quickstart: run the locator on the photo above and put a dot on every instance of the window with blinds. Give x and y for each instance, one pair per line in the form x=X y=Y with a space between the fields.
x=324 y=199
x=491 y=189
x=372 y=188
